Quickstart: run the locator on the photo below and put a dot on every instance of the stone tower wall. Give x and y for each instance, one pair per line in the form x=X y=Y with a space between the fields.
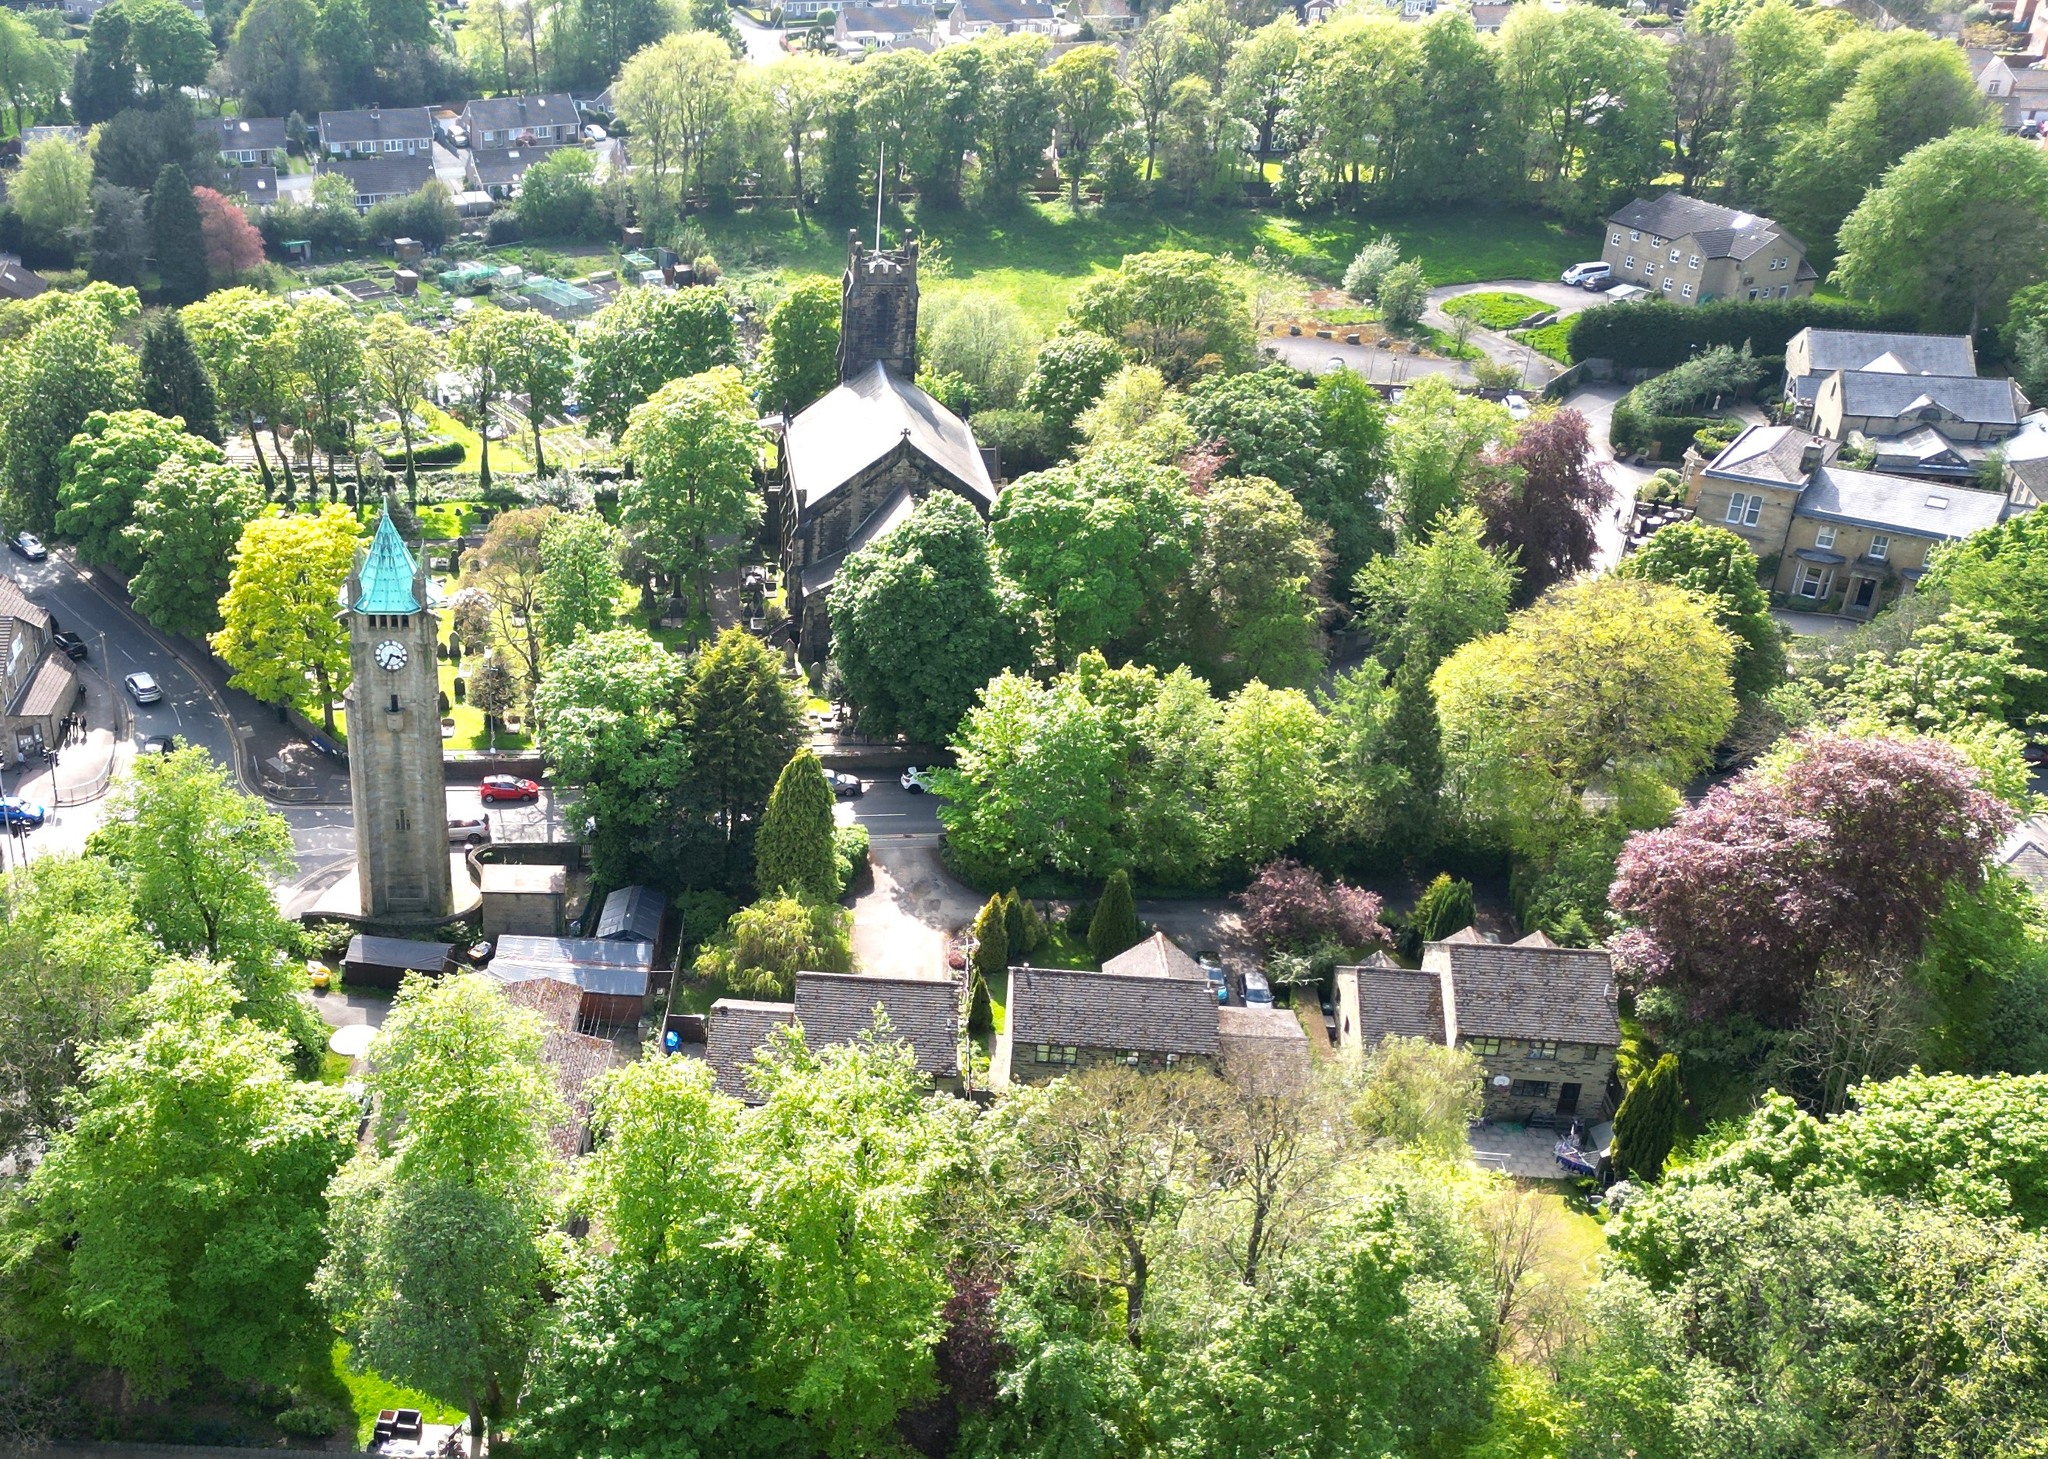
x=878 y=309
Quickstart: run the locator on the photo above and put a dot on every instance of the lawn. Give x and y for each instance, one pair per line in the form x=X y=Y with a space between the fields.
x=1494 y=308
x=1064 y=950
x=988 y=252
x=334 y=1068
x=503 y=458
x=1551 y=339
x=370 y=1394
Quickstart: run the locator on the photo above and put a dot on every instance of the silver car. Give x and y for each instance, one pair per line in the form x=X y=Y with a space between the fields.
x=142 y=686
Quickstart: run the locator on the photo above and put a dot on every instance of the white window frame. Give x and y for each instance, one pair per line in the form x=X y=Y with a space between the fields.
x=1880 y=548
x=1668 y=282
x=1635 y=235
x=1629 y=262
x=1813 y=582
x=1686 y=291
x=1824 y=537
x=1744 y=508
x=1693 y=263
x=1674 y=255
x=1615 y=240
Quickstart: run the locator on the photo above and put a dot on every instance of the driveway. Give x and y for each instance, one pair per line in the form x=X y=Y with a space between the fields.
x=1536 y=370
x=1378 y=366
x=901 y=922
x=1596 y=403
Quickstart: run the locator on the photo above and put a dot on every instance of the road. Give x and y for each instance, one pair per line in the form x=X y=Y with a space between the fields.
x=763 y=43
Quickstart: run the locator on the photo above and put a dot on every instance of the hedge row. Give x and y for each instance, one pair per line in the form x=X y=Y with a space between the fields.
x=426 y=453
x=1654 y=335
x=1631 y=430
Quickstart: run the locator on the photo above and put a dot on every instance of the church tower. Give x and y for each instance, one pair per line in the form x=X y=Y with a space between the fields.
x=394 y=734
x=878 y=310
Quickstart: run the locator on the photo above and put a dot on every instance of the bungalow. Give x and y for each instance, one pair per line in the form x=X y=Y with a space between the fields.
x=257 y=186
x=380 y=179
x=883 y=27
x=521 y=121
x=1691 y=252
x=1539 y=1018
x=18 y=282
x=1152 y=1007
x=970 y=18
x=1814 y=354
x=838 y=1008
x=244 y=141
x=500 y=172
x=376 y=132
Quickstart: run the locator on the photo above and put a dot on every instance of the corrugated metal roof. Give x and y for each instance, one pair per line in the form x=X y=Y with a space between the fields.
x=398 y=952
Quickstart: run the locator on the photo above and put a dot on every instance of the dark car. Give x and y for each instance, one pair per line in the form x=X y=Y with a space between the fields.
x=507 y=787
x=2036 y=752
x=30 y=546
x=159 y=744
x=69 y=644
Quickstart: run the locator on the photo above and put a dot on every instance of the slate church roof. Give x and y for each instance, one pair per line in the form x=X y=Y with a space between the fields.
x=863 y=420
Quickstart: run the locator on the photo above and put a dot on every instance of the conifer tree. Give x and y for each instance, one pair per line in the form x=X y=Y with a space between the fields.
x=1115 y=927
x=1443 y=908
x=991 y=959
x=1646 y=1125
x=180 y=242
x=793 y=853
x=174 y=382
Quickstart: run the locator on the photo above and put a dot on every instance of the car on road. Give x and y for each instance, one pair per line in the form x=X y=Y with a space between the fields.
x=1517 y=406
x=68 y=644
x=159 y=744
x=30 y=546
x=917 y=781
x=144 y=687
x=844 y=786
x=468 y=830
x=14 y=811
x=1591 y=275
x=507 y=787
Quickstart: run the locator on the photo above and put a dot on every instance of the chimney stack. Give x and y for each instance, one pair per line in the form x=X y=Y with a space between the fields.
x=1810 y=459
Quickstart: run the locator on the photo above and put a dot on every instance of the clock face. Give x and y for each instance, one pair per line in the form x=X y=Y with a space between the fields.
x=391 y=655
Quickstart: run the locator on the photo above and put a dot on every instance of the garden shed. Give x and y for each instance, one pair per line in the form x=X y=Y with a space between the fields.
x=383 y=962
x=613 y=976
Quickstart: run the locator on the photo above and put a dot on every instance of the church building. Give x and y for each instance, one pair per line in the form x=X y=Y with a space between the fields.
x=857 y=463
x=394 y=734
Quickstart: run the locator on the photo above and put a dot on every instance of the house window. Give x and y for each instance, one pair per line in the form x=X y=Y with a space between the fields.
x=1615 y=240
x=1635 y=235
x=1483 y=1046
x=404 y=821
x=1667 y=285
x=1172 y=1060
x=1693 y=263
x=1686 y=291
x=1824 y=538
x=1993 y=88
x=1543 y=1048
x=394 y=146
x=1880 y=548
x=1674 y=255
x=1744 y=508
x=1530 y=1089
x=1655 y=241
x=1813 y=582
x=1629 y=262
x=1131 y=1058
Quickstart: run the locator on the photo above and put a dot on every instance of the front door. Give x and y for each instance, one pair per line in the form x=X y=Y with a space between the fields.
x=1568 y=1099
x=1866 y=592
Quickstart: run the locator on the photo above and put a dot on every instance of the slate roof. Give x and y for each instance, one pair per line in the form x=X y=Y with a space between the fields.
x=1143 y=1012
x=1393 y=1000
x=1522 y=992
x=632 y=913
x=1264 y=1049
x=595 y=965
x=256 y=185
x=506 y=167
x=1889 y=395
x=1829 y=350
x=1899 y=503
x=398 y=952
x=733 y=1029
x=241 y=134
x=819 y=576
x=1004 y=13
x=385 y=580
x=394 y=174
x=885 y=20
x=1719 y=232
x=16 y=604
x=2025 y=854
x=1158 y=956
x=837 y=1008
x=19 y=282
x=50 y=690
x=380 y=124
x=514 y=113
x=1769 y=454
x=866 y=418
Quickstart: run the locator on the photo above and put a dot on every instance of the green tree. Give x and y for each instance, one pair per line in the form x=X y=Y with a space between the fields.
x=918 y=625
x=174 y=383
x=541 y=363
x=1016 y=117
x=1719 y=566
x=690 y=501
x=1269 y=773
x=72 y=955
x=1067 y=377
x=799 y=358
x=52 y=191
x=558 y=197
x=1089 y=103
x=119 y=244
x=1436 y=593
x=279 y=631
x=1646 y=1125
x=1589 y=100
x=1438 y=442
x=580 y=581
x=1114 y=927
x=1444 y=907
x=240 y=335
x=180 y=246
x=273 y=58
x=764 y=947
x=2002 y=573
x=32 y=70
x=1259 y=571
x=187 y=522
x=66 y=367
x=506 y=571
x=104 y=472
x=399 y=361
x=178 y=1221
x=1173 y=308
x=326 y=343
x=481 y=347
x=1950 y=232
x=793 y=852
x=800 y=91
x=1414 y=1094
x=169 y=43
x=648 y=338
x=991 y=962
x=742 y=719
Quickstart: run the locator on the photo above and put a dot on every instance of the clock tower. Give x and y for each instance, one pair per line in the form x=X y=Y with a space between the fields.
x=394 y=733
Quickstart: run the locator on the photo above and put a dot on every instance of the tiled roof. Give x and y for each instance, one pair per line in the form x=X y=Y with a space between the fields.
x=1769 y=453
x=1516 y=992
x=383 y=124
x=1158 y=956
x=1720 y=232
x=892 y=20
x=999 y=12
x=17 y=282
x=384 y=582
x=1263 y=1049
x=733 y=1029
x=1899 y=503
x=14 y=603
x=257 y=186
x=1146 y=1013
x=395 y=174
x=50 y=690
x=1888 y=395
x=1393 y=1000
x=837 y=1008
x=1830 y=350
x=575 y=1059
x=398 y=952
x=506 y=167
x=862 y=421
x=242 y=134
x=516 y=113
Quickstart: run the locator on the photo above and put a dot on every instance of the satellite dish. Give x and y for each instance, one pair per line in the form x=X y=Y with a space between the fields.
x=1501 y=1081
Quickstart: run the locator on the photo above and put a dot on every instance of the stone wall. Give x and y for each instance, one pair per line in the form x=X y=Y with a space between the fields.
x=1585 y=1065
x=1025 y=1068
x=878 y=309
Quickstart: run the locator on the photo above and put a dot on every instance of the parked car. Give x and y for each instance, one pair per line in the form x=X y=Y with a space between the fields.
x=1258 y=993
x=507 y=787
x=917 y=781
x=30 y=546
x=159 y=744
x=1591 y=275
x=143 y=687
x=1219 y=980
x=469 y=831
x=592 y=132
x=68 y=644
x=14 y=811
x=844 y=786
x=1518 y=407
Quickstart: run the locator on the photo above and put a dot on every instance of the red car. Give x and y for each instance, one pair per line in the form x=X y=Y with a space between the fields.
x=508 y=787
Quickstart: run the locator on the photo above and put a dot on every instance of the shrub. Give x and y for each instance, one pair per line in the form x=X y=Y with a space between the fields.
x=1553 y=340
x=1022 y=924
x=1403 y=293
x=1443 y=908
x=1289 y=905
x=310 y=1420
x=1646 y=1125
x=1719 y=372
x=1021 y=438
x=981 y=1015
x=1665 y=488
x=850 y=853
x=1371 y=264
x=1078 y=917
x=500 y=228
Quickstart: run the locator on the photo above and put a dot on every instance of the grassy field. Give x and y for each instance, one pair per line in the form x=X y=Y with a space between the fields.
x=1039 y=255
x=1494 y=308
x=1550 y=340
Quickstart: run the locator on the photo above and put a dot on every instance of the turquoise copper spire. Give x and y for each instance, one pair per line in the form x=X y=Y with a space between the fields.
x=385 y=582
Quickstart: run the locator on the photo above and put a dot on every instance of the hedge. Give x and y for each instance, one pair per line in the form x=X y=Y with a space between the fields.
x=1631 y=430
x=425 y=453
x=1655 y=335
